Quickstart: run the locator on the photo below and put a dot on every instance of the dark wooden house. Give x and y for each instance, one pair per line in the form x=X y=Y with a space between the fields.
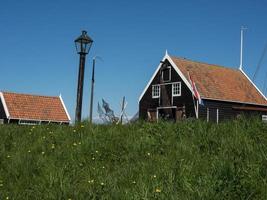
x=226 y=93
x=32 y=109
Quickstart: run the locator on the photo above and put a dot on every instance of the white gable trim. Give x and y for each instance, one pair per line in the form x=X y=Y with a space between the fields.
x=4 y=105
x=253 y=84
x=180 y=73
x=152 y=78
x=166 y=57
x=66 y=111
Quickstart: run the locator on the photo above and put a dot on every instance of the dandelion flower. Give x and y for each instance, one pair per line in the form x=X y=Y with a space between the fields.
x=158 y=190
x=53 y=146
x=43 y=152
x=154 y=176
x=74 y=144
x=74 y=131
x=79 y=143
x=134 y=182
x=148 y=154
x=96 y=151
x=93 y=158
x=103 y=167
x=29 y=151
x=1 y=184
x=8 y=156
x=7 y=197
x=82 y=126
x=102 y=183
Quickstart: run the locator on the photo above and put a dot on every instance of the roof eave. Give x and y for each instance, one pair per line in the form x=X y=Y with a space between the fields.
x=232 y=101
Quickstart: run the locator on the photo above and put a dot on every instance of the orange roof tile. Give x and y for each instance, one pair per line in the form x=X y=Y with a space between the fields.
x=34 y=107
x=221 y=83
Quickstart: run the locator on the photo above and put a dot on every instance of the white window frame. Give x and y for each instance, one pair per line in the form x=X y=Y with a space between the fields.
x=153 y=91
x=170 y=74
x=180 y=89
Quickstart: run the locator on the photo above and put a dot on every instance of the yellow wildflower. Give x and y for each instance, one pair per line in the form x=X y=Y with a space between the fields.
x=43 y=152
x=134 y=182
x=74 y=144
x=102 y=183
x=53 y=146
x=93 y=158
x=1 y=184
x=74 y=131
x=79 y=143
x=8 y=156
x=96 y=151
x=154 y=176
x=7 y=197
x=158 y=190
x=148 y=154
x=82 y=126
x=29 y=151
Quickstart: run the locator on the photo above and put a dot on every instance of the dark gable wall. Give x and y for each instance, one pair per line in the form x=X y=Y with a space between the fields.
x=147 y=102
x=2 y=111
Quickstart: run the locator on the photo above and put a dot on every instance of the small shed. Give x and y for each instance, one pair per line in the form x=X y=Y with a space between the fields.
x=32 y=109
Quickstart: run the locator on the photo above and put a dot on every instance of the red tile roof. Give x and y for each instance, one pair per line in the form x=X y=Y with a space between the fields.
x=220 y=83
x=34 y=107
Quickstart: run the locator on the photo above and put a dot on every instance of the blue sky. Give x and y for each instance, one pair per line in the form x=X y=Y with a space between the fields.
x=38 y=54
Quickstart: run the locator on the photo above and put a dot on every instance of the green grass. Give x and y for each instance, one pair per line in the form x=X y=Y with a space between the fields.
x=187 y=160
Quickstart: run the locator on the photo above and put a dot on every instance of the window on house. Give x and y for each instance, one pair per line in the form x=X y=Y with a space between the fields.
x=176 y=89
x=166 y=74
x=155 y=91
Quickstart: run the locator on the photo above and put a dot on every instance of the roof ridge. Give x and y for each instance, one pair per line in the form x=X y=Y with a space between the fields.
x=200 y=62
x=26 y=94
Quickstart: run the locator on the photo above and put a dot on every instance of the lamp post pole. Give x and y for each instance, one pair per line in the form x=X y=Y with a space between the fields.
x=83 y=44
x=79 y=100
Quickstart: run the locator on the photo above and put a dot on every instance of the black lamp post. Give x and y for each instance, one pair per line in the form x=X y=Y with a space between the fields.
x=83 y=45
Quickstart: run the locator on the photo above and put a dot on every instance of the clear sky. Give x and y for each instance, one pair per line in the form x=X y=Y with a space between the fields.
x=38 y=56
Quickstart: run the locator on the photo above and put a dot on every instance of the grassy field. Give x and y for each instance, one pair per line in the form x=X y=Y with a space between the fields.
x=187 y=160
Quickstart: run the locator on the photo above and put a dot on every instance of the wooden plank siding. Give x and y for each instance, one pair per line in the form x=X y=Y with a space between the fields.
x=226 y=110
x=165 y=100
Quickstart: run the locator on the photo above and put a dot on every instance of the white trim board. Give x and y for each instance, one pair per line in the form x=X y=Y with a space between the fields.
x=4 y=105
x=60 y=97
x=253 y=84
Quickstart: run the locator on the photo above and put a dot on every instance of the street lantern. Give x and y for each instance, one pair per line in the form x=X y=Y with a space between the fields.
x=83 y=44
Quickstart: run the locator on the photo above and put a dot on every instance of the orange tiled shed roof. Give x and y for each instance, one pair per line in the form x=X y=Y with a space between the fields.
x=34 y=107
x=221 y=83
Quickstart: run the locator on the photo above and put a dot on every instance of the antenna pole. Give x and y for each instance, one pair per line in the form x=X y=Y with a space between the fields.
x=241 y=47
x=241 y=50
x=92 y=92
